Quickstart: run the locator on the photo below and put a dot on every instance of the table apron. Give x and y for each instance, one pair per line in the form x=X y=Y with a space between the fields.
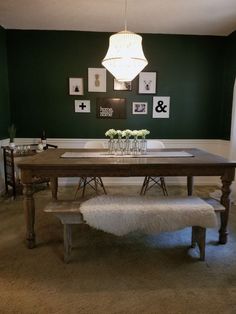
x=129 y=172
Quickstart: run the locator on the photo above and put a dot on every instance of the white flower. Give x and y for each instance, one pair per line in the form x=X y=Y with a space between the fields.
x=144 y=132
x=126 y=133
x=119 y=133
x=111 y=133
x=135 y=133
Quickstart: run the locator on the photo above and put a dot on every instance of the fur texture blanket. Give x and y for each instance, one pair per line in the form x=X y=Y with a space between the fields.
x=123 y=214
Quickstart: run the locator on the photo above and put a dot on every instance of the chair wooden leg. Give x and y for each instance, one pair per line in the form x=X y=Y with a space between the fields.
x=146 y=185
x=143 y=186
x=80 y=184
x=102 y=185
x=84 y=186
x=163 y=186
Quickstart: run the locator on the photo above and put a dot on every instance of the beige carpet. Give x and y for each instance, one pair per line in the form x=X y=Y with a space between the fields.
x=108 y=274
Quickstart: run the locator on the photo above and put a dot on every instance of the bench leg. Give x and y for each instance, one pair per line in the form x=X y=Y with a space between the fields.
x=67 y=242
x=199 y=237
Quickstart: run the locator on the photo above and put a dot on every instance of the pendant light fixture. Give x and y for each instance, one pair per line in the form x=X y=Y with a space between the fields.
x=125 y=58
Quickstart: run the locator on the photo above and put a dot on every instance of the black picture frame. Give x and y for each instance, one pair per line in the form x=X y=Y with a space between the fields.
x=111 y=108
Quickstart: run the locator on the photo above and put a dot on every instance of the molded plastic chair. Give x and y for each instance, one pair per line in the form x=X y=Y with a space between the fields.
x=93 y=182
x=149 y=182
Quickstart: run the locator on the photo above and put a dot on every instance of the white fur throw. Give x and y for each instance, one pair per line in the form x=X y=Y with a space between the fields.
x=123 y=214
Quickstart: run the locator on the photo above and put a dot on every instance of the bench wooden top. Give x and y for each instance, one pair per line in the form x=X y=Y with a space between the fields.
x=70 y=206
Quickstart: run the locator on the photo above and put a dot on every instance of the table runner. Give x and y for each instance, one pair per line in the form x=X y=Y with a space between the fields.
x=159 y=154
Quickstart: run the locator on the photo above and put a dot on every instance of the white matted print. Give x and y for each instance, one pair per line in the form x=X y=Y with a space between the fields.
x=122 y=85
x=161 y=107
x=97 y=80
x=76 y=86
x=82 y=106
x=147 y=83
x=139 y=107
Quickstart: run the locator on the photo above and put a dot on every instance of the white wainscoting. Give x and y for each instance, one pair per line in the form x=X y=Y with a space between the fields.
x=2 y=180
x=219 y=147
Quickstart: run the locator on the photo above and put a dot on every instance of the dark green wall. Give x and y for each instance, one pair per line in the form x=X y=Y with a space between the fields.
x=190 y=71
x=228 y=83
x=4 y=92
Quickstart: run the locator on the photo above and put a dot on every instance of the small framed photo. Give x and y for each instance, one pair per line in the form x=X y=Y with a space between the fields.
x=122 y=85
x=97 y=80
x=139 y=107
x=161 y=107
x=82 y=106
x=76 y=86
x=147 y=83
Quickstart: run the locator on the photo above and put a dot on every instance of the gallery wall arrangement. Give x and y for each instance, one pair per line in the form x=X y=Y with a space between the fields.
x=54 y=81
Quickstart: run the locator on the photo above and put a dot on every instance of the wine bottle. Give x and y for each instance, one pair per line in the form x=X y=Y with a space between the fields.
x=44 y=139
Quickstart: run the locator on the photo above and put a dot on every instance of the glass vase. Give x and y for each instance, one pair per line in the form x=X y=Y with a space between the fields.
x=143 y=146
x=111 y=146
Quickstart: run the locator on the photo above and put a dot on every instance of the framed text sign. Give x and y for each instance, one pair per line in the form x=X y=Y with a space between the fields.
x=111 y=108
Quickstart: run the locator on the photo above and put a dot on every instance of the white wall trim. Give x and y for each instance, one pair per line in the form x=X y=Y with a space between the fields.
x=2 y=180
x=219 y=147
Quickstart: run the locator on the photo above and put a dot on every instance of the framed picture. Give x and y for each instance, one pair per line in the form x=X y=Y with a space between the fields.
x=97 y=80
x=122 y=85
x=147 y=83
x=111 y=108
x=76 y=86
x=161 y=107
x=139 y=107
x=82 y=106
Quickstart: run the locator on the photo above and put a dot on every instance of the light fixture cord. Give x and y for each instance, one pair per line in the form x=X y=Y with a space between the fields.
x=125 y=15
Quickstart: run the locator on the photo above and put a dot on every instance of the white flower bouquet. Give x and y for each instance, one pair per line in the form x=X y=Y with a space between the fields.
x=111 y=133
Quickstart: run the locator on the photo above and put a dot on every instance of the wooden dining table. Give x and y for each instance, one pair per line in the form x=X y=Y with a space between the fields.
x=56 y=163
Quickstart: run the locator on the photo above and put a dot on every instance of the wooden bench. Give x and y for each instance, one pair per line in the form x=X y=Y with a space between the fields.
x=69 y=214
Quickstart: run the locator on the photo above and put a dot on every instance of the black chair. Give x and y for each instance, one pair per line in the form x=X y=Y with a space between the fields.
x=93 y=182
x=149 y=181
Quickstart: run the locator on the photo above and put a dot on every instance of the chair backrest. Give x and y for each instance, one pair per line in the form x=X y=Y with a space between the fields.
x=155 y=144
x=94 y=144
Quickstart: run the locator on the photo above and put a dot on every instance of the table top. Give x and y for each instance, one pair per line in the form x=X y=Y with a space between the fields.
x=52 y=158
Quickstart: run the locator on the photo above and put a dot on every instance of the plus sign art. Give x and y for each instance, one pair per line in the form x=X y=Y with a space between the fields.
x=161 y=107
x=82 y=106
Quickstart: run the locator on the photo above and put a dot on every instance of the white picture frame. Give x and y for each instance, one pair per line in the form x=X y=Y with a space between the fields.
x=76 y=86
x=147 y=83
x=122 y=86
x=82 y=106
x=97 y=80
x=139 y=108
x=161 y=107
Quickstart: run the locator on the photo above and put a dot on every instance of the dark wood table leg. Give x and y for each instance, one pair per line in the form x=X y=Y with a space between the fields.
x=226 y=179
x=190 y=185
x=54 y=187
x=29 y=210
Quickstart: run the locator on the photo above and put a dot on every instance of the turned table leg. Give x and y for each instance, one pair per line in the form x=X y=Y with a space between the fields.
x=190 y=185
x=226 y=180
x=29 y=210
x=54 y=187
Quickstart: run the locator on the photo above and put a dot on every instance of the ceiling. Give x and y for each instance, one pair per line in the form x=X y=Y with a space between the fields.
x=197 y=17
